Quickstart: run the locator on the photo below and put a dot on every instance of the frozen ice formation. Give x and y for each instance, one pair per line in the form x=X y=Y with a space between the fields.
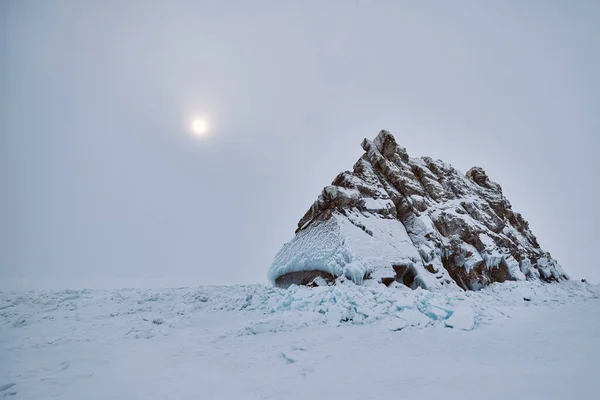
x=395 y=220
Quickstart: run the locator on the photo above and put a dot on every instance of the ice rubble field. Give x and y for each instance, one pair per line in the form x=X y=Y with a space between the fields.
x=511 y=340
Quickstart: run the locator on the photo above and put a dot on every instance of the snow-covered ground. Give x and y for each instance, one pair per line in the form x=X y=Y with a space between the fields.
x=516 y=340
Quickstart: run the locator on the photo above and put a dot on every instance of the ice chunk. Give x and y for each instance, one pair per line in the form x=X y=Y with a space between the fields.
x=334 y=316
x=463 y=318
x=394 y=323
x=414 y=317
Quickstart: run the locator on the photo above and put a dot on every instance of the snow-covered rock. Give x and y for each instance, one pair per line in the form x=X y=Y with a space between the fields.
x=414 y=221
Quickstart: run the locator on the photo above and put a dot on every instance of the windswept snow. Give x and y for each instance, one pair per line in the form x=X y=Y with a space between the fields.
x=510 y=340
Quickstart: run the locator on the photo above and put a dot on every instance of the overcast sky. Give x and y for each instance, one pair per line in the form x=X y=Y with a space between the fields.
x=103 y=185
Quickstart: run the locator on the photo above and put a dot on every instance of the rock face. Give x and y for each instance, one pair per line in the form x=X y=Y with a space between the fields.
x=415 y=221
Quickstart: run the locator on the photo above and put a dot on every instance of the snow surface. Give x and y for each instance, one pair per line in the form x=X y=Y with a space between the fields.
x=518 y=340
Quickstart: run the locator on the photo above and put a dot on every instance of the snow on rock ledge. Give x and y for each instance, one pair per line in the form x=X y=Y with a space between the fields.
x=414 y=221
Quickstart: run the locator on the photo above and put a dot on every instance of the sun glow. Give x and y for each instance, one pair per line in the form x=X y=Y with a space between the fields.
x=199 y=127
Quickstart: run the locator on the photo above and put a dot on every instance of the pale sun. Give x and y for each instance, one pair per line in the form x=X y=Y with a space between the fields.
x=199 y=126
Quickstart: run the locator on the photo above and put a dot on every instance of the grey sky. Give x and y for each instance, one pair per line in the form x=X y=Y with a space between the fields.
x=103 y=186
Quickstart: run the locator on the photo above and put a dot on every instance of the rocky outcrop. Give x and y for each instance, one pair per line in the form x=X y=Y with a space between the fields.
x=414 y=221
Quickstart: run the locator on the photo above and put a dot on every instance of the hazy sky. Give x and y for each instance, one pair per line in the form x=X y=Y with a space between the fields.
x=102 y=184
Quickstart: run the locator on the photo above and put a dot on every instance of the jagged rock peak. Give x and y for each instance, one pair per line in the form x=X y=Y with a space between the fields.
x=396 y=220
